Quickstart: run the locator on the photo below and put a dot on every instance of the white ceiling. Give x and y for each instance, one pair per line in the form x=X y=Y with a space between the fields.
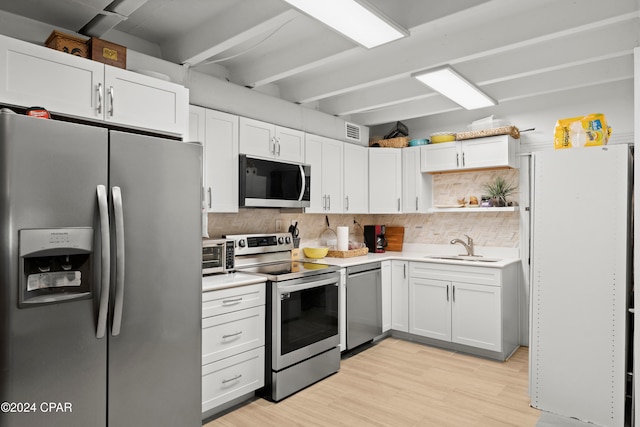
x=512 y=49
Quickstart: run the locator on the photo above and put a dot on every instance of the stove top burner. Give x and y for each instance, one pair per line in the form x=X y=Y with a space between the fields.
x=289 y=270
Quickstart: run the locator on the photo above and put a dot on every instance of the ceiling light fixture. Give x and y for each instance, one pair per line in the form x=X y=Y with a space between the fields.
x=455 y=87
x=357 y=20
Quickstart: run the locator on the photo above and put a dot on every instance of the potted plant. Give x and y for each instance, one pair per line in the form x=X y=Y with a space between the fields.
x=499 y=189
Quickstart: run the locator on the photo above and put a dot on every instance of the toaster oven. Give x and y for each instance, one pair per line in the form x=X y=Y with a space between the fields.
x=218 y=256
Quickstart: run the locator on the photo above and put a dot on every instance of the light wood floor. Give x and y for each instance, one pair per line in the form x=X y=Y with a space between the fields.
x=399 y=383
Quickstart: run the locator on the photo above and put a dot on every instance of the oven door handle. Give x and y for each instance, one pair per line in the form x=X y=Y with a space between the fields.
x=309 y=285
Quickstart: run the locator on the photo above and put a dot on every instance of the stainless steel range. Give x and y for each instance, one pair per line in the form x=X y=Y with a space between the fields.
x=302 y=312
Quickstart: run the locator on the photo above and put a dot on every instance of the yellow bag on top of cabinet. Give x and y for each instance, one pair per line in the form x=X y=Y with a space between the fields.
x=585 y=131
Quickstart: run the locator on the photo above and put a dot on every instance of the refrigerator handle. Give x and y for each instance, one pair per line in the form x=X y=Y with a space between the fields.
x=103 y=209
x=119 y=232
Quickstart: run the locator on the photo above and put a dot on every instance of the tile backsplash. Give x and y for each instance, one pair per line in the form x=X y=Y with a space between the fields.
x=493 y=229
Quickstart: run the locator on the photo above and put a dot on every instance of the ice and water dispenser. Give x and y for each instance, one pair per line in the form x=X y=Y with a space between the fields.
x=55 y=265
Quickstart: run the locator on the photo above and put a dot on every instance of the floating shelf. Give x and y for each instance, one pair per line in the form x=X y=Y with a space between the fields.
x=466 y=209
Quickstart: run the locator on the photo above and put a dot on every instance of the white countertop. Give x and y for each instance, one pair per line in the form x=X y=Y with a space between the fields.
x=214 y=282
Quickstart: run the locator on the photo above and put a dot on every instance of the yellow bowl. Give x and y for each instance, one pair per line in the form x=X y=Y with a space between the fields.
x=315 y=253
x=442 y=137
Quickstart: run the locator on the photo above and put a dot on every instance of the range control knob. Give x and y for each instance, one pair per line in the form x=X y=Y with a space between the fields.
x=280 y=240
x=241 y=243
x=287 y=240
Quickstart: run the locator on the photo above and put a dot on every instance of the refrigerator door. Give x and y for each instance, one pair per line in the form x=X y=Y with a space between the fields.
x=154 y=343
x=580 y=283
x=49 y=354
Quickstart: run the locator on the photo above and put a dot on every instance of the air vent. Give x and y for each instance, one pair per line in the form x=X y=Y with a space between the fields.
x=352 y=132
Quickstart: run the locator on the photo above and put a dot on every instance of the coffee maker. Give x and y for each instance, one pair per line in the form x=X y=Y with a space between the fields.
x=374 y=238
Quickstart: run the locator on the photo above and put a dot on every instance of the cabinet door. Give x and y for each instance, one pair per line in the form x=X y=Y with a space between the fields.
x=221 y=162
x=289 y=144
x=332 y=174
x=387 y=297
x=385 y=180
x=356 y=178
x=257 y=138
x=416 y=186
x=32 y=75
x=486 y=152
x=400 y=296
x=440 y=157
x=430 y=308
x=476 y=316
x=313 y=152
x=140 y=101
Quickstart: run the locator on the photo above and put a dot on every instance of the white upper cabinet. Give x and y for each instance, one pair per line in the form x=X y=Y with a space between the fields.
x=356 y=179
x=32 y=75
x=218 y=133
x=416 y=186
x=481 y=153
x=385 y=180
x=133 y=99
x=324 y=155
x=269 y=141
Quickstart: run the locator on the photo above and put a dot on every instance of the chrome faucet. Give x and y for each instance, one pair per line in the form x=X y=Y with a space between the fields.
x=468 y=246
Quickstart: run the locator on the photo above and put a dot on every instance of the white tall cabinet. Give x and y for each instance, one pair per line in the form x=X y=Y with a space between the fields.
x=218 y=132
x=356 y=178
x=385 y=180
x=416 y=186
x=324 y=155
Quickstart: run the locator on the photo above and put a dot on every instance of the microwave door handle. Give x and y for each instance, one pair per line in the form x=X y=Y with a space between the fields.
x=304 y=183
x=119 y=231
x=105 y=263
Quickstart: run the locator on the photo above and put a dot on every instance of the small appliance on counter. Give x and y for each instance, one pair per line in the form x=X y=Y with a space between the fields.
x=374 y=238
x=218 y=256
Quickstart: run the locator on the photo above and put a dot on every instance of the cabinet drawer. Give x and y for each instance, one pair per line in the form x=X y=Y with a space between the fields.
x=232 y=333
x=232 y=299
x=462 y=273
x=232 y=377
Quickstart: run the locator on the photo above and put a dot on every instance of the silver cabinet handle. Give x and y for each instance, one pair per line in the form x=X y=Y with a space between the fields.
x=99 y=100
x=111 y=100
x=236 y=377
x=416 y=203
x=210 y=197
x=324 y=202
x=329 y=200
x=404 y=272
x=119 y=231
x=346 y=203
x=278 y=144
x=398 y=204
x=272 y=146
x=463 y=163
x=457 y=160
x=447 y=292
x=453 y=292
x=232 y=301
x=235 y=334
x=105 y=261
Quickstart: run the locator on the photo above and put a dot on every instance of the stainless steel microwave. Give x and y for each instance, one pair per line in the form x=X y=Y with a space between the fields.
x=273 y=184
x=218 y=255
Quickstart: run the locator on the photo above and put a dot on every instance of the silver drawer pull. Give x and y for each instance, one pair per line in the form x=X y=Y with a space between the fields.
x=231 y=301
x=237 y=377
x=224 y=337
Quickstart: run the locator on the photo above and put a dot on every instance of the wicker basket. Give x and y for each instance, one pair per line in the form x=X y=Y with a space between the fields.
x=348 y=254
x=399 y=142
x=504 y=130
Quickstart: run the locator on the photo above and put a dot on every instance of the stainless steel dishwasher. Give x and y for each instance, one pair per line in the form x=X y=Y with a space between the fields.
x=364 y=303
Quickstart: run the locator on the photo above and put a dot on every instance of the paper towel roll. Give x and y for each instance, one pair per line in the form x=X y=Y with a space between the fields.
x=343 y=239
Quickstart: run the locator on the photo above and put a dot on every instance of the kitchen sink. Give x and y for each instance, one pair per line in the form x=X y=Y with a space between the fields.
x=477 y=258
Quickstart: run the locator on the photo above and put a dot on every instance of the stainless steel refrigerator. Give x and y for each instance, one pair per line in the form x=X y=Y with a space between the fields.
x=100 y=277
x=581 y=283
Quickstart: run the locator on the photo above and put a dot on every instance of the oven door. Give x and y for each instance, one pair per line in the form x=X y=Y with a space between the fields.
x=304 y=319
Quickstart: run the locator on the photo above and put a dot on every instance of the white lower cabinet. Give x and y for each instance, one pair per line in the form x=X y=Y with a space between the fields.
x=474 y=307
x=400 y=295
x=233 y=338
x=387 y=299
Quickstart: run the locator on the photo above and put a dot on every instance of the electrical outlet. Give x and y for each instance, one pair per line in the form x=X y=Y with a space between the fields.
x=278 y=226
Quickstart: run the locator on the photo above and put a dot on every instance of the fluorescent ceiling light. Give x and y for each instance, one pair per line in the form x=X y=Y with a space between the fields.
x=361 y=23
x=455 y=87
